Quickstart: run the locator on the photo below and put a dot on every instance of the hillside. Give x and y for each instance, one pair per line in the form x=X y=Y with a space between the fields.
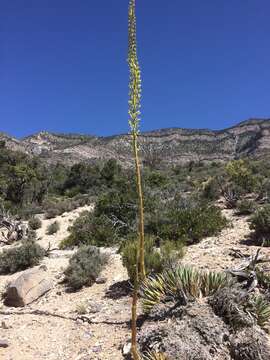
x=170 y=146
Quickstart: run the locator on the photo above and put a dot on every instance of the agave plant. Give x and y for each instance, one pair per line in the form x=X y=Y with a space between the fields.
x=181 y=284
x=154 y=291
x=213 y=281
x=155 y=356
x=259 y=308
x=263 y=278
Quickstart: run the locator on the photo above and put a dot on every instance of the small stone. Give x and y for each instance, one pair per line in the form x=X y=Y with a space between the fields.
x=4 y=344
x=4 y=325
x=126 y=349
x=94 y=308
x=101 y=280
x=97 y=349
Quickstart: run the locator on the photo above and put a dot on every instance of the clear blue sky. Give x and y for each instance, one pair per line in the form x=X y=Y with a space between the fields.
x=63 y=64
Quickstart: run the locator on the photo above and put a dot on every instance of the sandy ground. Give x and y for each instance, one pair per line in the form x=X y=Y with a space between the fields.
x=36 y=337
x=215 y=253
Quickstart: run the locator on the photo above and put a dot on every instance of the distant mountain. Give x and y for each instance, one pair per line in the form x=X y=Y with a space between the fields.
x=168 y=146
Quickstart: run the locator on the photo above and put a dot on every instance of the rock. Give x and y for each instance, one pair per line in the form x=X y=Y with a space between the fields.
x=250 y=343
x=101 y=280
x=126 y=349
x=4 y=344
x=197 y=334
x=28 y=287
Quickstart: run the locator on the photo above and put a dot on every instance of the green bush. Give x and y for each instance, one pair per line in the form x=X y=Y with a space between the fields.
x=260 y=223
x=156 y=259
x=20 y=258
x=84 y=267
x=245 y=207
x=89 y=229
x=31 y=236
x=155 y=179
x=240 y=173
x=120 y=204
x=35 y=223
x=53 y=228
x=52 y=213
x=210 y=189
x=187 y=224
x=232 y=194
x=56 y=207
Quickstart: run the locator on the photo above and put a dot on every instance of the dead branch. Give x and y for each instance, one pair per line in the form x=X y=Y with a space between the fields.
x=82 y=318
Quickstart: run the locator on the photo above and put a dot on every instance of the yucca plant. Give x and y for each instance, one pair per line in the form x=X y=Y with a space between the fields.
x=134 y=120
x=181 y=284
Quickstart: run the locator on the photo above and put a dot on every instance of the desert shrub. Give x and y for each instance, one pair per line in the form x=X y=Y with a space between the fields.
x=20 y=258
x=260 y=223
x=119 y=204
x=155 y=179
x=240 y=174
x=31 y=236
x=34 y=223
x=27 y=211
x=52 y=212
x=111 y=172
x=89 y=229
x=245 y=207
x=84 y=267
x=210 y=189
x=232 y=194
x=56 y=207
x=156 y=259
x=53 y=228
x=187 y=224
x=263 y=189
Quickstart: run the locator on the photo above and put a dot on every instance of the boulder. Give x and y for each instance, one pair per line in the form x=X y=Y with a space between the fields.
x=28 y=287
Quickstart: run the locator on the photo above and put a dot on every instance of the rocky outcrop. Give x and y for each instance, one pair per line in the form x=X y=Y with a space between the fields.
x=197 y=333
x=170 y=146
x=28 y=287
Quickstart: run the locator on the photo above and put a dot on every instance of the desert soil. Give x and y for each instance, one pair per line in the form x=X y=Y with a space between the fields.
x=59 y=332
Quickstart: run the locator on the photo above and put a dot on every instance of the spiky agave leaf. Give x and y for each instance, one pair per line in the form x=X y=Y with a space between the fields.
x=153 y=290
x=189 y=280
x=181 y=284
x=155 y=356
x=259 y=308
x=213 y=281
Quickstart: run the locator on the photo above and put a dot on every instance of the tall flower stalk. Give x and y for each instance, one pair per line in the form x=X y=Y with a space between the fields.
x=134 y=120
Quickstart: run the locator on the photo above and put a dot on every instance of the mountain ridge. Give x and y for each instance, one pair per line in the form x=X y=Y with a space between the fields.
x=168 y=145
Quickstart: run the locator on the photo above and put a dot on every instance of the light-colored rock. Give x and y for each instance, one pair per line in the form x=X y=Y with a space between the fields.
x=101 y=280
x=126 y=349
x=28 y=287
